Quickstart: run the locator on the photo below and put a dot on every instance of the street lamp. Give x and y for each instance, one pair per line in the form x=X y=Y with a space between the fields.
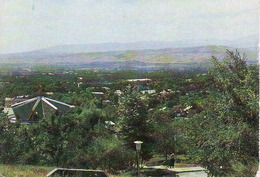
x=138 y=149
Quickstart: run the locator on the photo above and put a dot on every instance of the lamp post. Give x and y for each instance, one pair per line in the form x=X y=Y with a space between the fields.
x=138 y=149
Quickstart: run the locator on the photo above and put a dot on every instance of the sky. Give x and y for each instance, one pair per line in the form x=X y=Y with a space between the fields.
x=27 y=25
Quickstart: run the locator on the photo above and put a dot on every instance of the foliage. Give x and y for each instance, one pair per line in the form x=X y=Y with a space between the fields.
x=226 y=132
x=109 y=153
x=219 y=131
x=65 y=141
x=24 y=170
x=134 y=122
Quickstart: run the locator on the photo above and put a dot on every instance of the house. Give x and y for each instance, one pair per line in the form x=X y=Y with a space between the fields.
x=187 y=108
x=139 y=80
x=180 y=111
x=106 y=88
x=148 y=91
x=118 y=92
x=98 y=93
x=163 y=108
x=169 y=90
x=110 y=125
x=4 y=83
x=10 y=114
x=108 y=122
x=49 y=93
x=139 y=84
x=164 y=92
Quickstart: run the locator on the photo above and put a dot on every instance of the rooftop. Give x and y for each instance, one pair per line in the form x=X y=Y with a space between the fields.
x=140 y=80
x=38 y=107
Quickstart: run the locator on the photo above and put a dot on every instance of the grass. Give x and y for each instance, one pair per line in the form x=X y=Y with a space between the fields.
x=24 y=170
x=40 y=171
x=180 y=161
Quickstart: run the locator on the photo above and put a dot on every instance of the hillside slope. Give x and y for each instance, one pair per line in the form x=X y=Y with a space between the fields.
x=145 y=57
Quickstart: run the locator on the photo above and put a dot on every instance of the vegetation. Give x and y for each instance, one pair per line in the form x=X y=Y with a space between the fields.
x=206 y=118
x=224 y=136
x=24 y=170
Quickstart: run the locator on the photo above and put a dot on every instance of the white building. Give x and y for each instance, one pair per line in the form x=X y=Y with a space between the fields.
x=118 y=92
x=98 y=93
x=148 y=91
x=140 y=80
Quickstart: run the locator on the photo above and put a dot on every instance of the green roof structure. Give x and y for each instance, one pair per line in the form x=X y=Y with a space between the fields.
x=38 y=108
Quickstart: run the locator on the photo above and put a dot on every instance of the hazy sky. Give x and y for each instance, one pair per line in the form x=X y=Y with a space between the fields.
x=32 y=24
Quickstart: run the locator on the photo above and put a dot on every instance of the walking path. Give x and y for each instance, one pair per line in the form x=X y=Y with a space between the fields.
x=182 y=171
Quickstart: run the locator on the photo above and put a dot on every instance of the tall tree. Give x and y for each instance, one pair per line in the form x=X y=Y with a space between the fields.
x=224 y=136
x=134 y=122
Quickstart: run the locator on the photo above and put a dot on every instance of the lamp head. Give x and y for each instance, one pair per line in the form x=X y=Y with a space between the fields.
x=138 y=145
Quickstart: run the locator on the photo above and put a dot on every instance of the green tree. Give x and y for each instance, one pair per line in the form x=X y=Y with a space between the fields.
x=134 y=123
x=109 y=152
x=163 y=132
x=225 y=134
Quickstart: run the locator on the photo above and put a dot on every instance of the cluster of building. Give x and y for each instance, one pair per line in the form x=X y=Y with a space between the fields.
x=24 y=109
x=29 y=72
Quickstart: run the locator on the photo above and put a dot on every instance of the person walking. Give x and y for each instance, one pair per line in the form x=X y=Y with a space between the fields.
x=172 y=161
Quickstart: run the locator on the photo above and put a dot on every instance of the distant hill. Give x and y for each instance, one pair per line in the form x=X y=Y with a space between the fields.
x=141 y=57
x=250 y=41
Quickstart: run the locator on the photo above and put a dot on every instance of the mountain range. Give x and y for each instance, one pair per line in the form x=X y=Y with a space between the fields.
x=138 y=54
